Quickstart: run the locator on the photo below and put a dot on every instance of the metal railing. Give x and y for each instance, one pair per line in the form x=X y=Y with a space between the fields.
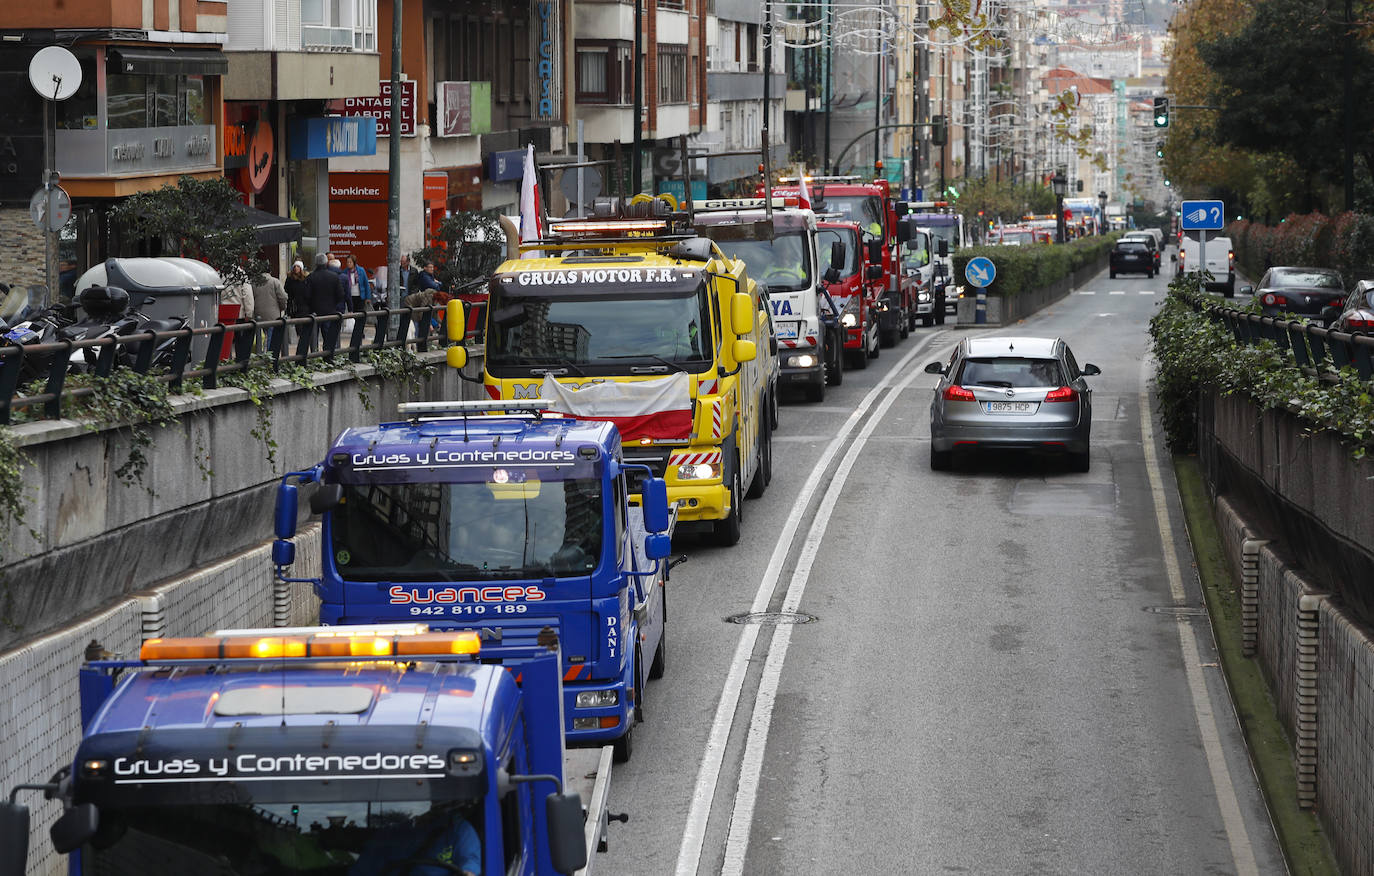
x=317 y=338
x=1316 y=350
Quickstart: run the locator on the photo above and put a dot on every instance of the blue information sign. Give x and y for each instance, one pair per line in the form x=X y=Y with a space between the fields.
x=1203 y=215
x=980 y=271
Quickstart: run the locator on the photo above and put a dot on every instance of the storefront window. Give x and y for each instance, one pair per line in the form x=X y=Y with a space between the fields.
x=193 y=109
x=165 y=101
x=78 y=112
x=127 y=104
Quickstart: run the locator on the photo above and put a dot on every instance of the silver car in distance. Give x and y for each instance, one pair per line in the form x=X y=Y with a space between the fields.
x=999 y=393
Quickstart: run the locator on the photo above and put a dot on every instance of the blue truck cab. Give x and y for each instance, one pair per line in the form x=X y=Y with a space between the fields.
x=328 y=751
x=498 y=517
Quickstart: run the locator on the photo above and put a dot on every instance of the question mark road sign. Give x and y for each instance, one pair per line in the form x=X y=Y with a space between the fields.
x=1203 y=215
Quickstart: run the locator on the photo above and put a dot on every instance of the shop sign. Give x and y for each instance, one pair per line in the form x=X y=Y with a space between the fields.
x=330 y=137
x=358 y=215
x=436 y=188
x=544 y=63
x=379 y=108
x=261 y=149
x=507 y=165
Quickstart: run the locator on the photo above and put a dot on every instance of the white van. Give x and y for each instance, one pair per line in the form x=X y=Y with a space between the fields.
x=1221 y=261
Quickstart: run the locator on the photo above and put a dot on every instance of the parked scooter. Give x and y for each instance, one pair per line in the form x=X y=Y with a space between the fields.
x=43 y=327
x=108 y=313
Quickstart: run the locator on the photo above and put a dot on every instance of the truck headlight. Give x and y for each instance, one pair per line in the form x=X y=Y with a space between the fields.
x=923 y=295
x=849 y=320
x=699 y=471
x=805 y=360
x=597 y=699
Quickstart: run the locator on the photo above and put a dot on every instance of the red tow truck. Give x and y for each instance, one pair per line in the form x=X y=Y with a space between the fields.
x=855 y=284
x=869 y=204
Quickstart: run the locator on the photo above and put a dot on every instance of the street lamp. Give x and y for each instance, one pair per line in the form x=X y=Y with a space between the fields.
x=1102 y=200
x=1060 y=184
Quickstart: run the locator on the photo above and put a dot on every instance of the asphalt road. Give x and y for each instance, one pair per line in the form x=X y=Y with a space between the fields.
x=1007 y=668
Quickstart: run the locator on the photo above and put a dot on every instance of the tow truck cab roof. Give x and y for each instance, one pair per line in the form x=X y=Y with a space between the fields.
x=425 y=449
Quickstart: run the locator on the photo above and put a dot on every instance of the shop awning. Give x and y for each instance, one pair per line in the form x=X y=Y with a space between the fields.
x=271 y=228
x=168 y=62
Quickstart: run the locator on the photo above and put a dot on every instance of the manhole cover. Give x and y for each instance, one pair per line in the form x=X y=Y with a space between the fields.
x=771 y=617
x=1178 y=610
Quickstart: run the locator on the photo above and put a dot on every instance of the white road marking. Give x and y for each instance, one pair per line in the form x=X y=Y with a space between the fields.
x=708 y=774
x=1232 y=820
x=1147 y=291
x=1117 y=292
x=751 y=766
x=1088 y=292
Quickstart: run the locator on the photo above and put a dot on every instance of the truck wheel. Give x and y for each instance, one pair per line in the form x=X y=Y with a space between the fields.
x=727 y=531
x=773 y=409
x=912 y=318
x=875 y=350
x=763 y=471
x=887 y=337
x=928 y=320
x=834 y=362
x=904 y=324
x=858 y=359
x=940 y=311
x=622 y=748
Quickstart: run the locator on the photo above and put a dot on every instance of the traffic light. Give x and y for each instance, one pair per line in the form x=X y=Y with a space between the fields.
x=939 y=130
x=1159 y=149
x=1161 y=112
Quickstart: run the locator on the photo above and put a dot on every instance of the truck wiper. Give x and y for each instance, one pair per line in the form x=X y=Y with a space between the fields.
x=673 y=365
x=554 y=361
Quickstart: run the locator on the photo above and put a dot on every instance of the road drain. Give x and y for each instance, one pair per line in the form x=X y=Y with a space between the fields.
x=1178 y=610
x=771 y=618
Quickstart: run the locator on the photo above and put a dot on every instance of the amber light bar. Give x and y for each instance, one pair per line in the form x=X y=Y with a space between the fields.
x=361 y=643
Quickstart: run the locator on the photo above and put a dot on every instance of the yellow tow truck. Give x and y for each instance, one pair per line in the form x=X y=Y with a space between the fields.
x=631 y=317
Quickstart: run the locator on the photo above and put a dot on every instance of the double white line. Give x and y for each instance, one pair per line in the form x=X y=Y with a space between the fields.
x=708 y=775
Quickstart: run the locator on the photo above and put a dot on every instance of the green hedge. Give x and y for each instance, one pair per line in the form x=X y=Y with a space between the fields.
x=1344 y=242
x=1027 y=268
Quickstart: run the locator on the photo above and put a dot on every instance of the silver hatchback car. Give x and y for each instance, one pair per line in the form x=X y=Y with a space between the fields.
x=1011 y=393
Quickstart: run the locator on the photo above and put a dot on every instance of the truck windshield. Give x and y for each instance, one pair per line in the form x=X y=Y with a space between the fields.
x=782 y=264
x=418 y=532
x=357 y=838
x=947 y=232
x=550 y=329
x=867 y=210
x=826 y=238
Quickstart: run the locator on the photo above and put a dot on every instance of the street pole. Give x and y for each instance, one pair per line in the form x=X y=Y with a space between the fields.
x=767 y=94
x=829 y=78
x=915 y=115
x=393 y=219
x=877 y=112
x=637 y=166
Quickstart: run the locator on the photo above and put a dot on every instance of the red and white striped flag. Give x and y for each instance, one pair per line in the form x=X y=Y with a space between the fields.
x=803 y=193
x=531 y=206
x=658 y=408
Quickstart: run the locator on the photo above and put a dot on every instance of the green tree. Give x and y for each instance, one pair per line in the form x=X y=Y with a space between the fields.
x=470 y=247
x=1279 y=82
x=194 y=219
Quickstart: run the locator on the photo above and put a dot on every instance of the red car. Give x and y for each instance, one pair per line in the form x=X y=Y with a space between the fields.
x=856 y=289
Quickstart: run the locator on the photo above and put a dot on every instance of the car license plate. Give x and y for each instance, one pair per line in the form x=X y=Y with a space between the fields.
x=786 y=329
x=1009 y=407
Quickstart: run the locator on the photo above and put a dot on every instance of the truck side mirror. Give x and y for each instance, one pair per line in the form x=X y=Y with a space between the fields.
x=743 y=351
x=567 y=846
x=325 y=498
x=456 y=324
x=654 y=498
x=741 y=313
x=942 y=248
x=658 y=545
x=904 y=229
x=14 y=839
x=875 y=272
x=875 y=250
x=284 y=520
x=77 y=825
x=832 y=274
x=837 y=255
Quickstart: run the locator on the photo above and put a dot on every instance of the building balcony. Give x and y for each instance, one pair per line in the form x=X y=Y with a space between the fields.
x=301 y=75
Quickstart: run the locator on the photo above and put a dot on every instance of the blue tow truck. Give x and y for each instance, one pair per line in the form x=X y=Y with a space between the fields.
x=500 y=517
x=326 y=751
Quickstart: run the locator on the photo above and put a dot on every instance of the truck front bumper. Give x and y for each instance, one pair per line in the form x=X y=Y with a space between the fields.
x=698 y=500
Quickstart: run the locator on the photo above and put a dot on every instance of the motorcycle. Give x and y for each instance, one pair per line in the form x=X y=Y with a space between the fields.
x=109 y=312
x=44 y=327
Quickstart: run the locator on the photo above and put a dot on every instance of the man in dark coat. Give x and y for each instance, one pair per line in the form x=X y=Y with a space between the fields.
x=326 y=297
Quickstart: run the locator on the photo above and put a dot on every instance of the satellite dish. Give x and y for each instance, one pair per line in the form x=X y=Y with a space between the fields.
x=55 y=73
